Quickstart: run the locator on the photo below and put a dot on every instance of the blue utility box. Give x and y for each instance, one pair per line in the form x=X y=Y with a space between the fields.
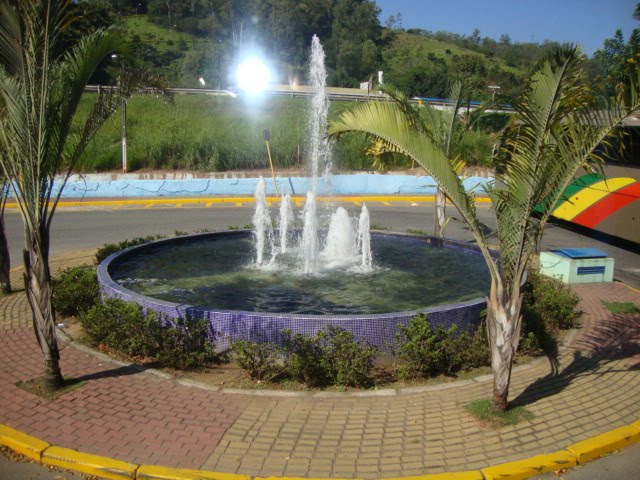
x=577 y=265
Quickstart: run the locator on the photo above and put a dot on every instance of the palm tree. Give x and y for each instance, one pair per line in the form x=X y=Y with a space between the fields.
x=446 y=129
x=5 y=262
x=41 y=83
x=559 y=127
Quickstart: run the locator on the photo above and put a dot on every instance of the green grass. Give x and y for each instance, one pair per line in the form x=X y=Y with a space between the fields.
x=481 y=409
x=211 y=133
x=161 y=38
x=622 y=307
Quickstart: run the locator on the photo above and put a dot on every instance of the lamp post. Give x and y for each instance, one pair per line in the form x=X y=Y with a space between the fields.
x=494 y=89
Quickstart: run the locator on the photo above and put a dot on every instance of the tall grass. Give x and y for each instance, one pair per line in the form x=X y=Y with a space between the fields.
x=212 y=133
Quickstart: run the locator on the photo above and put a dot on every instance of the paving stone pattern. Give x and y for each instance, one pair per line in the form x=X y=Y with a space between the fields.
x=591 y=387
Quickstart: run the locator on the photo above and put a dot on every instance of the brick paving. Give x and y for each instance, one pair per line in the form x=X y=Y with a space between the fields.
x=121 y=412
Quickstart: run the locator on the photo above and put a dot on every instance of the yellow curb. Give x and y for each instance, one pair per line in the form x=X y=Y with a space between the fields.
x=306 y=478
x=27 y=445
x=630 y=287
x=467 y=475
x=150 y=472
x=530 y=467
x=608 y=442
x=87 y=463
x=240 y=200
x=578 y=453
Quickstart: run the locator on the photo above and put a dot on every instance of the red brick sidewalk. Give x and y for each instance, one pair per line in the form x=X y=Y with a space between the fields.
x=120 y=412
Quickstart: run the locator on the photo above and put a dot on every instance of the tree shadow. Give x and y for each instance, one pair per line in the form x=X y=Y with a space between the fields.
x=615 y=338
x=122 y=371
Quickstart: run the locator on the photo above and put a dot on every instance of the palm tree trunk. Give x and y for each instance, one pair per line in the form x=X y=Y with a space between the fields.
x=5 y=261
x=503 y=324
x=440 y=213
x=37 y=281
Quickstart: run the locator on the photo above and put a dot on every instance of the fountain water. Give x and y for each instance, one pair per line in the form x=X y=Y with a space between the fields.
x=344 y=245
x=286 y=217
x=364 y=239
x=319 y=148
x=310 y=235
x=262 y=229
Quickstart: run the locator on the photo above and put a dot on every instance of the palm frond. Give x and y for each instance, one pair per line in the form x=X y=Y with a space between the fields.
x=387 y=122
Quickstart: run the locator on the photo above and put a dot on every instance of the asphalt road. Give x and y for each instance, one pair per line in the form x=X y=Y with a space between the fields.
x=82 y=227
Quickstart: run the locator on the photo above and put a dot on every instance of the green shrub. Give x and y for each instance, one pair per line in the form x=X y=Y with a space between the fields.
x=110 y=248
x=187 y=345
x=530 y=344
x=123 y=326
x=350 y=362
x=305 y=358
x=262 y=361
x=75 y=290
x=551 y=300
x=331 y=356
x=548 y=306
x=425 y=351
x=469 y=350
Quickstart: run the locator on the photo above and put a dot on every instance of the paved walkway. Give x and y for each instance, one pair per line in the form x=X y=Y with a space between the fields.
x=139 y=417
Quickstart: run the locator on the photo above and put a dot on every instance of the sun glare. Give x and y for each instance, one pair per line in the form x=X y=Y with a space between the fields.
x=253 y=76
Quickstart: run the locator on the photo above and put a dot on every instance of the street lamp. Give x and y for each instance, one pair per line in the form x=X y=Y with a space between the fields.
x=494 y=89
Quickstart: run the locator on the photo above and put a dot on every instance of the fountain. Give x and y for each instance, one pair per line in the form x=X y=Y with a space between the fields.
x=328 y=270
x=343 y=244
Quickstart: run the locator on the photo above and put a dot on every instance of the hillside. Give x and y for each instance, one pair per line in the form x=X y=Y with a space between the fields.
x=416 y=64
x=407 y=49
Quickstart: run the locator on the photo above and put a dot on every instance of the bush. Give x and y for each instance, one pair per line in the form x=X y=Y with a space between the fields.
x=75 y=290
x=424 y=351
x=262 y=361
x=551 y=301
x=123 y=326
x=331 y=356
x=469 y=350
x=187 y=345
x=530 y=344
x=548 y=305
x=350 y=362
x=305 y=358
x=111 y=248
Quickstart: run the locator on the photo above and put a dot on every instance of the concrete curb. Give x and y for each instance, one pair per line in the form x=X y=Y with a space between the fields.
x=105 y=467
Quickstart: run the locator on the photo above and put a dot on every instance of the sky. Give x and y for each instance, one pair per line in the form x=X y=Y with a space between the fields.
x=584 y=22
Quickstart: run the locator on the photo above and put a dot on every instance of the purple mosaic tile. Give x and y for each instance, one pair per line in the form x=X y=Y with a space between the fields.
x=226 y=326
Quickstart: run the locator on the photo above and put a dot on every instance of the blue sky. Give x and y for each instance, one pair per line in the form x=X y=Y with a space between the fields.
x=585 y=22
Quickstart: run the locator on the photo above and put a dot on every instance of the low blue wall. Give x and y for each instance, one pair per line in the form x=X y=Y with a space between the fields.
x=356 y=184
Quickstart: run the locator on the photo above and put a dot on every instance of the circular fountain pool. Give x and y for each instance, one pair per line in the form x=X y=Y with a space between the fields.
x=213 y=276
